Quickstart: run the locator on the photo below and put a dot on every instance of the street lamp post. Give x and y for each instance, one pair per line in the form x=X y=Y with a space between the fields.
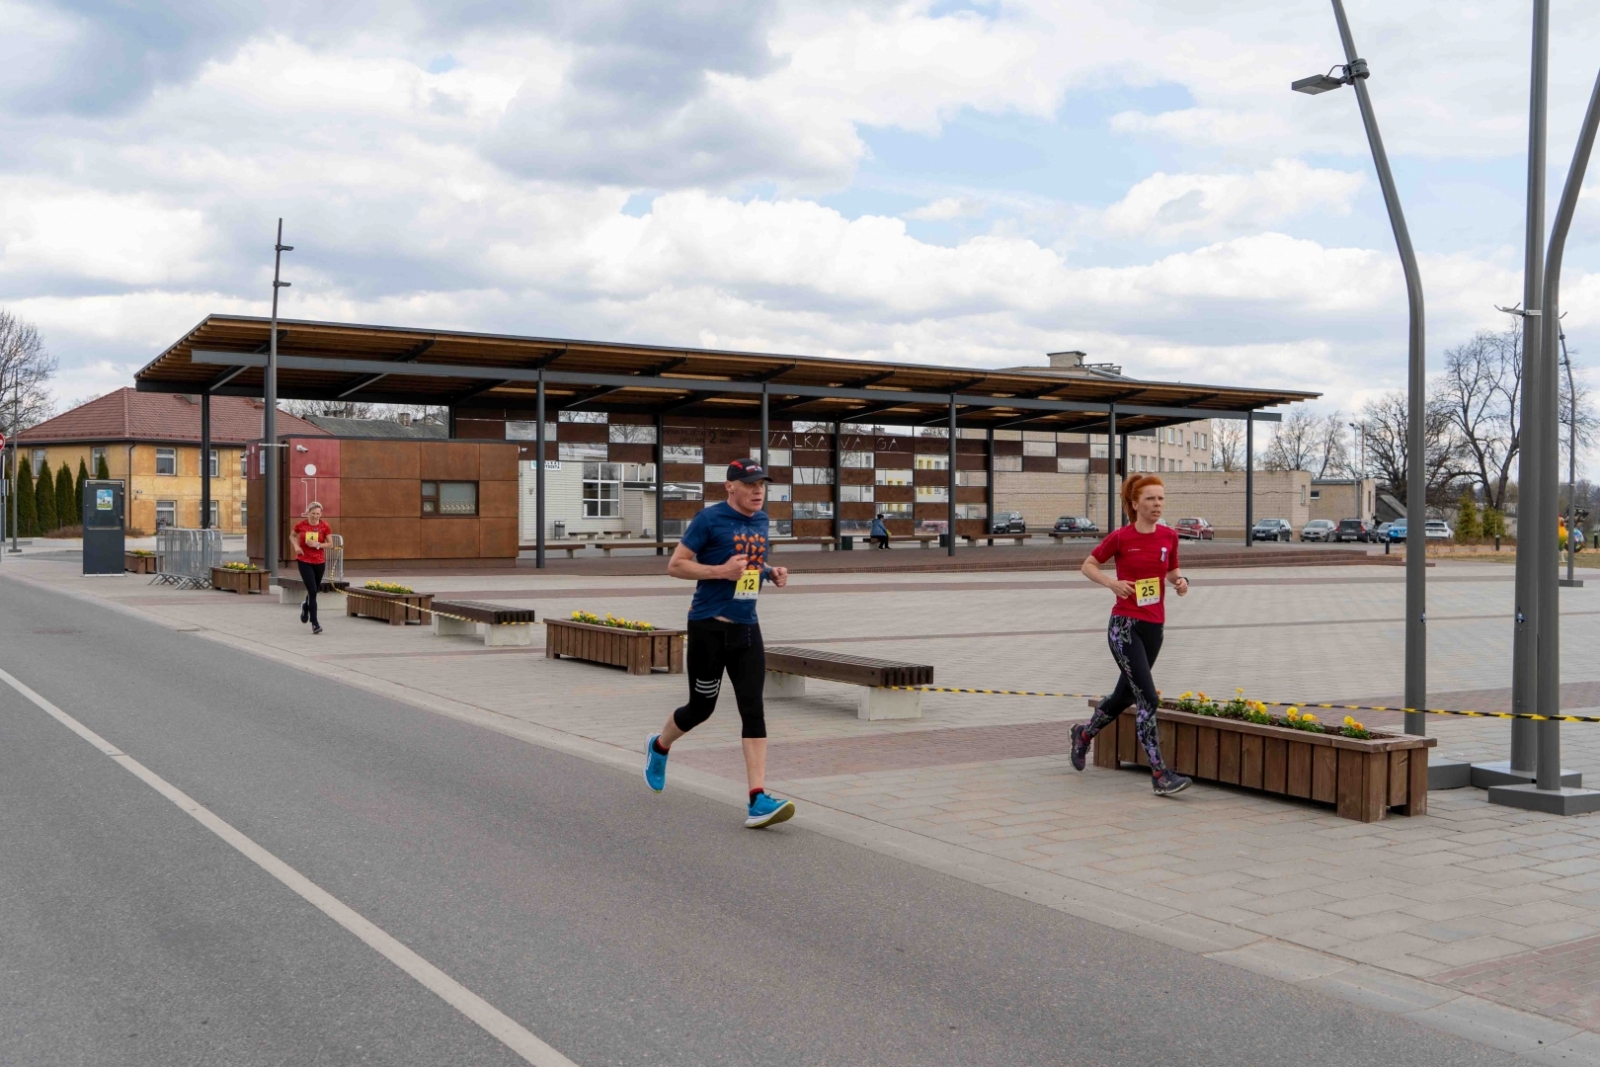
x=1361 y=475
x=269 y=417
x=1574 y=538
x=1354 y=73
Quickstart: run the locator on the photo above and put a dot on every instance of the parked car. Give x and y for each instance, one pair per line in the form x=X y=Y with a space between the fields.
x=1075 y=524
x=1272 y=530
x=1008 y=522
x=1318 y=530
x=1397 y=530
x=1381 y=533
x=1194 y=530
x=1353 y=530
x=1437 y=530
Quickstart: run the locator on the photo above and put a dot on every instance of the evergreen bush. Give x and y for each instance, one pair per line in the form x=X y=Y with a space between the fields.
x=44 y=502
x=27 y=514
x=1468 y=528
x=77 y=489
x=65 y=515
x=102 y=471
x=1494 y=522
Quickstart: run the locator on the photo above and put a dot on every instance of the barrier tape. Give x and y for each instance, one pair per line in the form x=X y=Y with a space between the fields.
x=1272 y=703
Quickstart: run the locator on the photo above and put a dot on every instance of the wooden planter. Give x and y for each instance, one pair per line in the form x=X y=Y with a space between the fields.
x=640 y=651
x=136 y=564
x=234 y=581
x=396 y=609
x=1362 y=779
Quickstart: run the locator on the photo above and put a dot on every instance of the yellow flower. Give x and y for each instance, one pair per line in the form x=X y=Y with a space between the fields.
x=1186 y=695
x=1308 y=717
x=1239 y=689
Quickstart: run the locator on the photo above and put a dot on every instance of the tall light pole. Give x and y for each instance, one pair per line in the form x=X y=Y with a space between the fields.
x=1354 y=74
x=1361 y=475
x=269 y=414
x=1573 y=538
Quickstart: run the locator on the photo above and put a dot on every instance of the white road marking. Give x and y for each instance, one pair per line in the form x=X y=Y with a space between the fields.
x=501 y=1026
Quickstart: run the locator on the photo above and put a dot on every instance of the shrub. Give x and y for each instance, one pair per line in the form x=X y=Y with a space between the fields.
x=101 y=471
x=77 y=488
x=1468 y=528
x=1494 y=522
x=27 y=511
x=610 y=620
x=66 y=514
x=390 y=587
x=233 y=565
x=44 y=501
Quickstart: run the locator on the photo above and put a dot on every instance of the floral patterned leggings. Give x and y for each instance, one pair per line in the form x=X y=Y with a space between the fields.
x=1135 y=644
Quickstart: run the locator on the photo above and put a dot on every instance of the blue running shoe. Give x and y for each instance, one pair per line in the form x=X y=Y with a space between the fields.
x=768 y=810
x=655 y=765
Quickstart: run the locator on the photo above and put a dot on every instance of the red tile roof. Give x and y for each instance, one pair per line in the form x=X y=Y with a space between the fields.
x=129 y=415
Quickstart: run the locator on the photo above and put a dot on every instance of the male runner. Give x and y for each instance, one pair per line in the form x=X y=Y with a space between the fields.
x=724 y=552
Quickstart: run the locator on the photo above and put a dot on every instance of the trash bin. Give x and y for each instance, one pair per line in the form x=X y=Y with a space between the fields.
x=847 y=543
x=561 y=530
x=944 y=540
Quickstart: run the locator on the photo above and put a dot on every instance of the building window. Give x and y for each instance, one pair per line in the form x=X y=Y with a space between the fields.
x=1316 y=494
x=683 y=491
x=166 y=514
x=715 y=475
x=581 y=451
x=855 y=526
x=855 y=494
x=602 y=490
x=673 y=527
x=813 y=476
x=779 y=493
x=1039 y=448
x=216 y=521
x=859 y=460
x=244 y=464
x=934 y=461
x=979 y=478
x=781 y=528
x=215 y=468
x=449 y=499
x=776 y=457
x=244 y=515
x=682 y=454
x=166 y=461
x=890 y=511
x=972 y=511
x=1008 y=463
x=892 y=476
x=598 y=417
x=38 y=460
x=625 y=433
x=96 y=456
x=1072 y=465
x=813 y=427
x=933 y=431
x=529 y=431
x=820 y=509
x=1097 y=451
x=932 y=494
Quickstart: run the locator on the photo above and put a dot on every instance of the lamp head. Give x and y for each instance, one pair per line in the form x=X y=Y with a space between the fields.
x=1317 y=83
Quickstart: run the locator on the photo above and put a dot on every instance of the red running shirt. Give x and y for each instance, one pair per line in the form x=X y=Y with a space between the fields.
x=1142 y=558
x=312 y=539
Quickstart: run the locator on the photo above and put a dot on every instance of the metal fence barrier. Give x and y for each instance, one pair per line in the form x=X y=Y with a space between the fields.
x=187 y=557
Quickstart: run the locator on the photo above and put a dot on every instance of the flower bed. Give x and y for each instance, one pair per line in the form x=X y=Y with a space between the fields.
x=397 y=605
x=239 y=578
x=141 y=561
x=638 y=647
x=1241 y=743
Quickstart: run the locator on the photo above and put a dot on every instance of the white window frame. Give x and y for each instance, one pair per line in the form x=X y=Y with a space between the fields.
x=856 y=494
x=893 y=476
x=602 y=490
x=169 y=506
x=214 y=463
x=685 y=455
x=858 y=460
x=813 y=475
x=167 y=453
x=932 y=461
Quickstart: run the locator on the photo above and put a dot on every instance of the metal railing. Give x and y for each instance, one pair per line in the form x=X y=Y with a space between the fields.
x=335 y=557
x=187 y=557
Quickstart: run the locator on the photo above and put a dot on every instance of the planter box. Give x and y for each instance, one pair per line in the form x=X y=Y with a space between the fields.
x=232 y=581
x=640 y=651
x=1362 y=779
x=396 y=609
x=135 y=564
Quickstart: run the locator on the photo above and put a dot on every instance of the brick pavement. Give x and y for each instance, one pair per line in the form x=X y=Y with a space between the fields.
x=981 y=784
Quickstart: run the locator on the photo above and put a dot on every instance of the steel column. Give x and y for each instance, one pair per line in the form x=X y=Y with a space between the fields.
x=1111 y=469
x=764 y=434
x=205 y=462
x=988 y=493
x=538 y=473
x=838 y=474
x=1249 y=481
x=1126 y=518
x=269 y=419
x=661 y=478
x=950 y=504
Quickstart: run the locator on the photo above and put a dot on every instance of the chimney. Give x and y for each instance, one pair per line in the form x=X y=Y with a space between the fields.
x=404 y=418
x=1067 y=360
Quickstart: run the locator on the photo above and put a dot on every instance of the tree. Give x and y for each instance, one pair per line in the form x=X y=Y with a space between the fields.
x=101 y=471
x=1227 y=444
x=1467 y=526
x=44 y=501
x=27 y=510
x=1588 y=424
x=1294 y=445
x=77 y=488
x=1385 y=421
x=65 y=515
x=1480 y=392
x=25 y=373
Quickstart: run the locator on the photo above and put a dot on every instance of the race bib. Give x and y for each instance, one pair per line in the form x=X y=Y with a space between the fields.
x=748 y=587
x=1147 y=591
x=313 y=538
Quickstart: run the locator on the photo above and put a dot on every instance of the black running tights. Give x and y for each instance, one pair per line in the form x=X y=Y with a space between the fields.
x=714 y=647
x=1135 y=644
x=311 y=574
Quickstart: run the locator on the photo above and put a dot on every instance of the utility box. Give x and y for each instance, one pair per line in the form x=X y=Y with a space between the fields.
x=104 y=524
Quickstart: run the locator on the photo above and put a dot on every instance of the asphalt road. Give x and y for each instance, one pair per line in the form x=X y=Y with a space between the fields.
x=619 y=927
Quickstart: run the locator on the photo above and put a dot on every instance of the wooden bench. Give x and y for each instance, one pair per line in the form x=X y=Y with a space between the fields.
x=789 y=667
x=609 y=547
x=923 y=540
x=991 y=538
x=500 y=627
x=826 y=542
x=292 y=591
x=559 y=546
x=1058 y=537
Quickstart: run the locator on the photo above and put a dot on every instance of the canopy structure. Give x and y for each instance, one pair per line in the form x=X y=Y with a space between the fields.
x=225 y=355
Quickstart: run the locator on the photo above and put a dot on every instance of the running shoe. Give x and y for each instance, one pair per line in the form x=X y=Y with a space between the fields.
x=768 y=810
x=1169 y=782
x=316 y=629
x=1080 y=747
x=305 y=613
x=655 y=765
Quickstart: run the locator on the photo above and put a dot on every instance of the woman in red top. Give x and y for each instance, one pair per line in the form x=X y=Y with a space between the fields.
x=311 y=536
x=1147 y=559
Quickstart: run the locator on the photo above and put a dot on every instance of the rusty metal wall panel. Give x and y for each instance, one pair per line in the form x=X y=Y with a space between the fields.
x=379 y=459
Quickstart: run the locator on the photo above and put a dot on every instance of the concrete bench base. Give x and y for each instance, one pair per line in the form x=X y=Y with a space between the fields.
x=871 y=703
x=511 y=636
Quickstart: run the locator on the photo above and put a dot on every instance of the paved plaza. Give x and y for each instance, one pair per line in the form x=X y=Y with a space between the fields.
x=1480 y=920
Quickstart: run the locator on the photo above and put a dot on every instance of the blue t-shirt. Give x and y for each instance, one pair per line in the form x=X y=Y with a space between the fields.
x=715 y=536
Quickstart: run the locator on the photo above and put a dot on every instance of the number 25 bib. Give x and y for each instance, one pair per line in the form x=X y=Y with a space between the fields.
x=1147 y=591
x=748 y=586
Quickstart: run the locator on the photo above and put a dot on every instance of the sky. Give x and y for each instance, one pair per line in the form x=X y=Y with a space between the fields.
x=968 y=183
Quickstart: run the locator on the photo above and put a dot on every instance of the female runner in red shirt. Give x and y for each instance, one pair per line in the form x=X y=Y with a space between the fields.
x=1147 y=558
x=310 y=538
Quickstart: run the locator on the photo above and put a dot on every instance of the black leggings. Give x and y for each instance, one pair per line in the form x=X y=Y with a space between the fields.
x=1135 y=644
x=715 y=647
x=311 y=574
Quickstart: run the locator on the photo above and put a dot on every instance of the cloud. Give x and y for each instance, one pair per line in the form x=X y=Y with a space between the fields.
x=1173 y=207
x=947 y=208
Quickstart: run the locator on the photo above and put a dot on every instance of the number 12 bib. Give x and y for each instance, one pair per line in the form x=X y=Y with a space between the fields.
x=748 y=586
x=1147 y=591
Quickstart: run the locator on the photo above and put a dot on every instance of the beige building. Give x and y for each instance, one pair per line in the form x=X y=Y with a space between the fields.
x=1344 y=498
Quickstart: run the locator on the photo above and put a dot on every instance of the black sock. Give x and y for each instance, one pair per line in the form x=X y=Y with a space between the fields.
x=655 y=743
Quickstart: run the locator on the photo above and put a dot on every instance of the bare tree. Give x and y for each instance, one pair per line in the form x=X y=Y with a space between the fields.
x=25 y=373
x=1386 y=421
x=1334 y=447
x=1227 y=445
x=339 y=409
x=1295 y=445
x=1480 y=392
x=1582 y=414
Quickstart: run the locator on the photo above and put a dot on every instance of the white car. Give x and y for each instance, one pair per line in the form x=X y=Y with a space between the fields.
x=1437 y=530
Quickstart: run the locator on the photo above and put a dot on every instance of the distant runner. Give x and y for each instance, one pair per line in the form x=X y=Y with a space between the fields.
x=724 y=551
x=1147 y=558
x=309 y=539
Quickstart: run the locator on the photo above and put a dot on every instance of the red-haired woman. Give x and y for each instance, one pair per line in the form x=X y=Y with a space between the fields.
x=1147 y=559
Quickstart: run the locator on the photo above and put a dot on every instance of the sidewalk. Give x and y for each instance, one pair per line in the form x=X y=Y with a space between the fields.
x=1477 y=919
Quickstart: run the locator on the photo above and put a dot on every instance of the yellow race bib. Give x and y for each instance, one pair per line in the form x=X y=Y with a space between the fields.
x=1147 y=591
x=748 y=587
